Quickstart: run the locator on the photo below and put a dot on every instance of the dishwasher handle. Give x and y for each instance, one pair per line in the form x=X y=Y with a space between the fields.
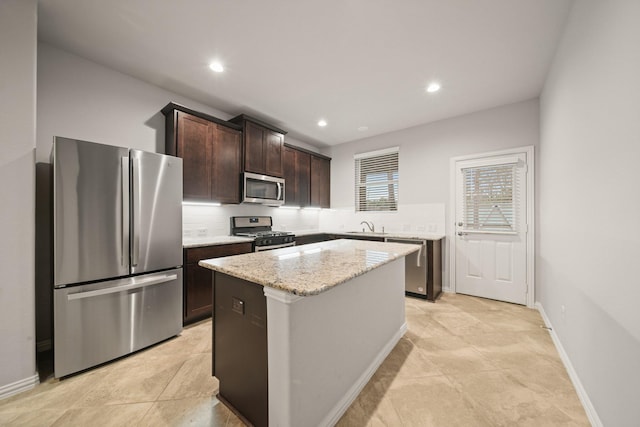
x=422 y=243
x=420 y=253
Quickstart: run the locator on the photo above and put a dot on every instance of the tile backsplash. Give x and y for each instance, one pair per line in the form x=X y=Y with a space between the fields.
x=421 y=218
x=206 y=221
x=201 y=221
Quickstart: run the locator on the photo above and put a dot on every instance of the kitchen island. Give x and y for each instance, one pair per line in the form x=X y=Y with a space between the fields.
x=299 y=331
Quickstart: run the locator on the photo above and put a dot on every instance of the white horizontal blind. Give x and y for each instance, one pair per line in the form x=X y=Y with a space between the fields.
x=376 y=178
x=489 y=197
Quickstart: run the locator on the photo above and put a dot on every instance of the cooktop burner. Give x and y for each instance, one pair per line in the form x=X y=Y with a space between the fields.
x=259 y=228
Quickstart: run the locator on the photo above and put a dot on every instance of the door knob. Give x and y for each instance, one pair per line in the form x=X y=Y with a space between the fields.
x=461 y=233
x=460 y=224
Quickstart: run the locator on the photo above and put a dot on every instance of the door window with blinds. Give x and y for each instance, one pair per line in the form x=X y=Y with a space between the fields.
x=376 y=178
x=489 y=197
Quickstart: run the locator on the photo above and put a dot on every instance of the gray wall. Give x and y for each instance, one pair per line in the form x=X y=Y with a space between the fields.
x=18 y=35
x=589 y=203
x=425 y=152
x=78 y=98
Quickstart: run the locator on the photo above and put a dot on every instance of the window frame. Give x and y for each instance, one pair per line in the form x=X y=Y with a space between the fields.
x=387 y=161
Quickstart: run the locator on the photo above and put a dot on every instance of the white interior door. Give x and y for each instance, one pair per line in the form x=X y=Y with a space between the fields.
x=491 y=229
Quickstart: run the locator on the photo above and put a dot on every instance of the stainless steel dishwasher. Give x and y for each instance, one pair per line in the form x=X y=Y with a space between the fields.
x=423 y=278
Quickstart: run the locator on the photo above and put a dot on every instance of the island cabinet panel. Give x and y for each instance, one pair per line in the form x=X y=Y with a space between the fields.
x=263 y=146
x=296 y=165
x=320 y=181
x=211 y=151
x=240 y=351
x=197 y=291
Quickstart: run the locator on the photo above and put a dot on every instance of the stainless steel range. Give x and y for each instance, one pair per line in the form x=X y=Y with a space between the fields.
x=259 y=228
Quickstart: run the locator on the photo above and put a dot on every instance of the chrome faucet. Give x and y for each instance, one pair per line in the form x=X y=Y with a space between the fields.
x=372 y=228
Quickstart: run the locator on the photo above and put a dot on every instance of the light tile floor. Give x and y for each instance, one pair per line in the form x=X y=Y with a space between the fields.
x=464 y=361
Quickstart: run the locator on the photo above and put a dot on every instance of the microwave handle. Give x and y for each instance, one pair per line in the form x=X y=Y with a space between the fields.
x=279 y=197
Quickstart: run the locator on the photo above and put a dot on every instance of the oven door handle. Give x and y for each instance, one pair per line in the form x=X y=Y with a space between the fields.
x=267 y=248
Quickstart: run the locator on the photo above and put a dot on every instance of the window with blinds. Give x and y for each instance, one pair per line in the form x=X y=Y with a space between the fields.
x=376 y=178
x=489 y=197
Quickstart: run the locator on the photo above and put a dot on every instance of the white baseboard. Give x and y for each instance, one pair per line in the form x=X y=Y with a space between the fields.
x=19 y=386
x=43 y=345
x=594 y=419
x=343 y=404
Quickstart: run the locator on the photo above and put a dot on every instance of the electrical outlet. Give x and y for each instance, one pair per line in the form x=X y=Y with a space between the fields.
x=421 y=229
x=202 y=232
x=433 y=228
x=237 y=305
x=406 y=228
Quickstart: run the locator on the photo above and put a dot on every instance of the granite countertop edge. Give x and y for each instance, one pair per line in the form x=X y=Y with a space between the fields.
x=214 y=241
x=330 y=282
x=391 y=235
x=227 y=240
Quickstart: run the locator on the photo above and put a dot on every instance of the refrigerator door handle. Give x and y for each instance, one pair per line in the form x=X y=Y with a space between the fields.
x=135 y=285
x=124 y=233
x=135 y=225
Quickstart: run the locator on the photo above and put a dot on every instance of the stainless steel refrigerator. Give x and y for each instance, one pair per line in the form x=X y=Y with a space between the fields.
x=117 y=252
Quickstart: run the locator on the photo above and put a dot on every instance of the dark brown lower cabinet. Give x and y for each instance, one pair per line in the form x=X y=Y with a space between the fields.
x=312 y=238
x=197 y=291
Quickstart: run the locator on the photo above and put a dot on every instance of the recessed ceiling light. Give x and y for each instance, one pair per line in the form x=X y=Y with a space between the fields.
x=433 y=87
x=217 y=67
x=322 y=123
x=363 y=128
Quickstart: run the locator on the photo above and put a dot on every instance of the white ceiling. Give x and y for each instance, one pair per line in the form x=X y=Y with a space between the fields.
x=292 y=62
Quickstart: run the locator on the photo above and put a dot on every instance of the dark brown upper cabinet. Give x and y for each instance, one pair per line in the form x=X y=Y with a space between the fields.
x=263 y=146
x=307 y=178
x=320 y=181
x=211 y=152
x=297 y=175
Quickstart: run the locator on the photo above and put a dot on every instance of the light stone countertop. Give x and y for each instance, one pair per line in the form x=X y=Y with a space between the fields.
x=197 y=242
x=310 y=269
x=392 y=235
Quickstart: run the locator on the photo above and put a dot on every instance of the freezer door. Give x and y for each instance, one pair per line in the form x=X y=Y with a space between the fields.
x=156 y=211
x=102 y=321
x=90 y=210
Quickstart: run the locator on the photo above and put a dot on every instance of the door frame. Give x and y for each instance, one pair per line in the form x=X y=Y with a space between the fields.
x=530 y=215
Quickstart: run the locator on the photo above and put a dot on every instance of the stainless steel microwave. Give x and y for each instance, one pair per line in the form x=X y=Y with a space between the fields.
x=263 y=189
